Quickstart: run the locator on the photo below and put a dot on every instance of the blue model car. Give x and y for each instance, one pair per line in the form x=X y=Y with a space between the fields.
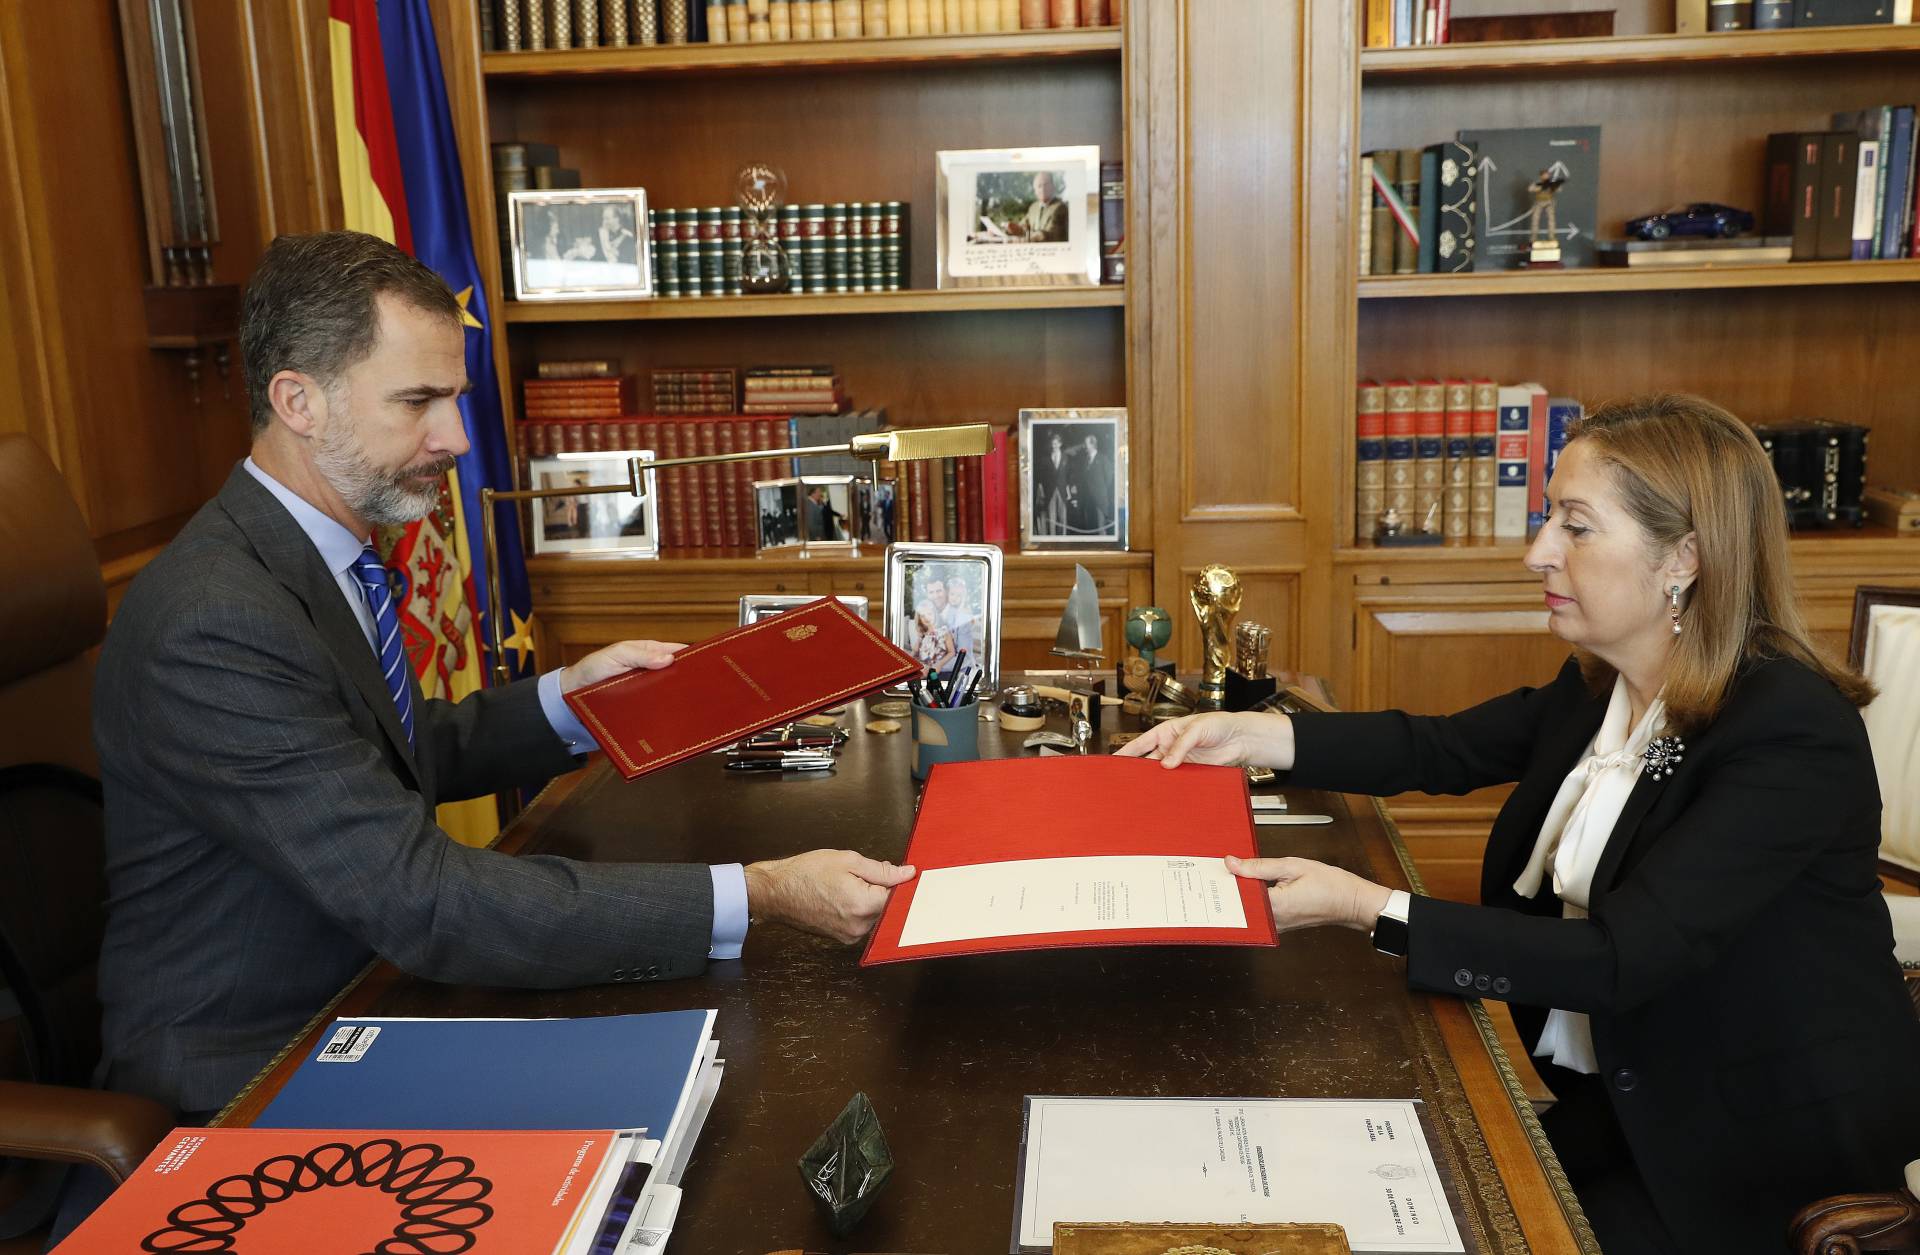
x=1703 y=219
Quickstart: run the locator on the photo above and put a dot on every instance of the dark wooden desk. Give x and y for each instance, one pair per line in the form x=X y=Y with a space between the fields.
x=947 y=1048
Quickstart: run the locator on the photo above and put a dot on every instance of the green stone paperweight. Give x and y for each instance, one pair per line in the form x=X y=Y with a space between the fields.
x=846 y=1165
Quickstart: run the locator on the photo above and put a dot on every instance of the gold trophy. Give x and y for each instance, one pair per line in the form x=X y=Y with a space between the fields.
x=1215 y=597
x=1543 y=246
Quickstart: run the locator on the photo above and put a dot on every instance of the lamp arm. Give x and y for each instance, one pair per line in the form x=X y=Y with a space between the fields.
x=636 y=469
x=923 y=444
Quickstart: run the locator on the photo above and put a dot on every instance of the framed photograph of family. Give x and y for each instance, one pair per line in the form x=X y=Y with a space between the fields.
x=940 y=601
x=614 y=522
x=1017 y=217
x=580 y=244
x=1073 y=479
x=757 y=606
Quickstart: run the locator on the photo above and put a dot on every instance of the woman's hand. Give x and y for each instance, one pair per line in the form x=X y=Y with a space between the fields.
x=1233 y=740
x=1306 y=894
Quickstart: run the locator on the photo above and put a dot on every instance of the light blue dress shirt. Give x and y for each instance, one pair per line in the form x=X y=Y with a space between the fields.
x=339 y=547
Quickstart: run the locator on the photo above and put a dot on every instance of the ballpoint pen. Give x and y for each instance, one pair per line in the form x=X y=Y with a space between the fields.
x=781 y=760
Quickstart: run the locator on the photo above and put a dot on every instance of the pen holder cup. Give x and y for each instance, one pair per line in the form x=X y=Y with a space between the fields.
x=944 y=734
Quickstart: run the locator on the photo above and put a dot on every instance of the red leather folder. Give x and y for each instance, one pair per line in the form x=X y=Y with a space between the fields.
x=737 y=683
x=1032 y=808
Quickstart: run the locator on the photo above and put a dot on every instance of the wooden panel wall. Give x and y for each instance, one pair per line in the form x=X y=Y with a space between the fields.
x=1238 y=373
x=139 y=450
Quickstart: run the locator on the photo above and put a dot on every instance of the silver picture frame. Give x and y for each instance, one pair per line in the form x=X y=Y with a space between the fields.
x=993 y=227
x=757 y=606
x=605 y=523
x=580 y=244
x=820 y=514
x=1073 y=479
x=926 y=624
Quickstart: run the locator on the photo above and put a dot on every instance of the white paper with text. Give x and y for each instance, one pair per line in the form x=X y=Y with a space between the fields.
x=1064 y=895
x=1362 y=1164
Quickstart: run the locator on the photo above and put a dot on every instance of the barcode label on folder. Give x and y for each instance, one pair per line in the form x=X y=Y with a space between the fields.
x=350 y=1043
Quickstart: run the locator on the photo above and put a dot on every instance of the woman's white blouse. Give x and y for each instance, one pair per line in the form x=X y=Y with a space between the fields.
x=1574 y=836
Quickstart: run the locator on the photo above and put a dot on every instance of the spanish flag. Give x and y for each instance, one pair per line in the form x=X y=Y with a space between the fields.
x=400 y=179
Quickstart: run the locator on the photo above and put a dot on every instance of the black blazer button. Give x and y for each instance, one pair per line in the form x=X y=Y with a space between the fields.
x=1483 y=983
x=1501 y=985
x=1463 y=978
x=1624 y=1079
x=653 y=972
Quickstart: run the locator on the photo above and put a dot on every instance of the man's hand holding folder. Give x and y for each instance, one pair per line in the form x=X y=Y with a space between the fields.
x=835 y=893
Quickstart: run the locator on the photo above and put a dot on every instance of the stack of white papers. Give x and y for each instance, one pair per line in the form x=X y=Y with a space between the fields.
x=1361 y=1164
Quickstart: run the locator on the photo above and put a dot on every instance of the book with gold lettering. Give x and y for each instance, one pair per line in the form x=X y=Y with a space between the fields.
x=738 y=683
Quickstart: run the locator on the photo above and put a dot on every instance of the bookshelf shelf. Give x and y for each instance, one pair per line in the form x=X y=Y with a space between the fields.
x=1675 y=279
x=1521 y=56
x=1869 y=543
x=728 y=563
x=788 y=306
x=1092 y=42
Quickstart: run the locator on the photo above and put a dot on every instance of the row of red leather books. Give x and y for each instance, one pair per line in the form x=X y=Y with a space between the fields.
x=964 y=500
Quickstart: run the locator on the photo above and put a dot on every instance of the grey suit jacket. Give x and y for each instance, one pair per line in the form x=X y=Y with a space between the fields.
x=269 y=830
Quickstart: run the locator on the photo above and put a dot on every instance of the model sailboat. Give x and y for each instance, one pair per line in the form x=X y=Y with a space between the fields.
x=1079 y=634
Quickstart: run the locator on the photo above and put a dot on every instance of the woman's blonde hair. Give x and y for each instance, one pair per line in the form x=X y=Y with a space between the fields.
x=1684 y=465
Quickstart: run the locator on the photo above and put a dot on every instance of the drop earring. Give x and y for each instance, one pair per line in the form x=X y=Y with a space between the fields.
x=1673 y=607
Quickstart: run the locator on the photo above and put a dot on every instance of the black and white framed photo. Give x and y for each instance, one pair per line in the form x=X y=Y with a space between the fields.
x=757 y=606
x=614 y=522
x=1073 y=478
x=776 y=511
x=941 y=601
x=580 y=244
x=1017 y=217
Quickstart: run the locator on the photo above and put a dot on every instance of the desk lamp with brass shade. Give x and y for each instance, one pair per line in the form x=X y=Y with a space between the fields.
x=912 y=445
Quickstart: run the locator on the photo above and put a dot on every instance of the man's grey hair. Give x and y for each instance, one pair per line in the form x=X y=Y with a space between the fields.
x=310 y=307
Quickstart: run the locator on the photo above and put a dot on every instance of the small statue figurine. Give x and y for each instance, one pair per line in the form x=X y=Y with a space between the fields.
x=1215 y=597
x=1543 y=248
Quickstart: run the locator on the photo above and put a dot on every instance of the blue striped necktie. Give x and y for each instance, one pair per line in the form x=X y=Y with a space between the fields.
x=372 y=574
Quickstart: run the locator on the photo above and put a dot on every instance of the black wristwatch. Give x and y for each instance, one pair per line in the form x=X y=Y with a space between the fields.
x=1390 y=928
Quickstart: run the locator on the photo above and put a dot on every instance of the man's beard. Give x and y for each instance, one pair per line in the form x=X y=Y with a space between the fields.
x=379 y=496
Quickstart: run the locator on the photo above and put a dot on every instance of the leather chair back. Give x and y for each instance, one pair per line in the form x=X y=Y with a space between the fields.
x=52 y=888
x=1886 y=648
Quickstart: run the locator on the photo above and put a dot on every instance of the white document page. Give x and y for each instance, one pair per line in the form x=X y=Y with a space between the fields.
x=1066 y=895
x=1361 y=1164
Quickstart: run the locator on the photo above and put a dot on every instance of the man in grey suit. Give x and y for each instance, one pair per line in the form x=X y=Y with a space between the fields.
x=271 y=769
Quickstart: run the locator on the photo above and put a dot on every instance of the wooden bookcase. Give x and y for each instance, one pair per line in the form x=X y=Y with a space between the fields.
x=847 y=120
x=1244 y=323
x=1683 y=118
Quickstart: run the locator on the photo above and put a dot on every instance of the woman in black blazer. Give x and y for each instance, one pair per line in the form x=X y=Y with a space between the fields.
x=1679 y=897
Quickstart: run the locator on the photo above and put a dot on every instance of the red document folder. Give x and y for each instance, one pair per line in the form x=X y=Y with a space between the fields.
x=1034 y=808
x=336 y=1192
x=734 y=684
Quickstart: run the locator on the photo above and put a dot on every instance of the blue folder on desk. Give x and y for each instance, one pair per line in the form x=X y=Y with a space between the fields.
x=605 y=1072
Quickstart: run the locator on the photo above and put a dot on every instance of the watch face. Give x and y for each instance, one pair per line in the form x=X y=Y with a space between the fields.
x=1390 y=936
